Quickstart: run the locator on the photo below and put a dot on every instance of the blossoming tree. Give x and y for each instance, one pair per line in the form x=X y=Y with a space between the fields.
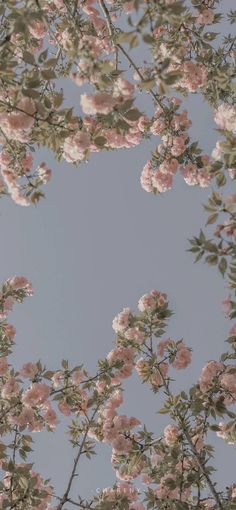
x=92 y=43
x=174 y=468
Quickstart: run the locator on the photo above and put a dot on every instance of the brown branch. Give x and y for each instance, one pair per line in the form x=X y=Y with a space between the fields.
x=191 y=445
x=117 y=45
x=65 y=499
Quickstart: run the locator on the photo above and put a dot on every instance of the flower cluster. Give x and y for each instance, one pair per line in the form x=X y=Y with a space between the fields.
x=173 y=153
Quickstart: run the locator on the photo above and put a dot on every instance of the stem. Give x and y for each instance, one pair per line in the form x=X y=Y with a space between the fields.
x=117 y=45
x=65 y=499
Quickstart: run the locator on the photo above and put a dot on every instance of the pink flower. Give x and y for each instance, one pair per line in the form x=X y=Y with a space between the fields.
x=194 y=76
x=24 y=119
x=183 y=357
x=121 y=321
x=162 y=181
x=50 y=417
x=190 y=174
x=121 y=445
x=64 y=408
x=77 y=376
x=230 y=200
x=124 y=87
x=19 y=282
x=232 y=331
x=44 y=173
x=205 y=17
x=26 y=417
x=171 y=434
x=128 y=6
x=57 y=379
x=37 y=29
x=232 y=173
x=148 y=302
x=99 y=103
x=156 y=459
x=36 y=395
x=137 y=506
x=209 y=372
x=227 y=432
x=227 y=305
x=75 y=146
x=146 y=177
x=135 y=334
x=29 y=370
x=163 y=346
x=228 y=380
x=204 y=178
x=225 y=117
x=10 y=388
x=157 y=127
x=116 y=399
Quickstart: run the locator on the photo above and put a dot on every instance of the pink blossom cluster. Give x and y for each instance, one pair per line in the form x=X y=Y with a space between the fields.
x=76 y=146
x=125 y=356
x=225 y=117
x=11 y=177
x=13 y=291
x=13 y=168
x=227 y=305
x=111 y=427
x=210 y=374
x=172 y=129
x=149 y=303
x=164 y=492
x=194 y=76
x=18 y=124
x=152 y=374
x=206 y=17
x=171 y=434
x=227 y=431
x=122 y=320
x=228 y=228
x=181 y=354
x=101 y=102
x=37 y=29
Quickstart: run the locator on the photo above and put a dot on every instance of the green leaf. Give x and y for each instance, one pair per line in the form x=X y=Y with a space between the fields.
x=172 y=77
x=147 y=84
x=212 y=219
x=43 y=56
x=199 y=256
x=220 y=179
x=147 y=38
x=100 y=141
x=28 y=57
x=216 y=198
x=211 y=247
x=132 y=114
x=222 y=266
x=48 y=74
x=34 y=94
x=210 y=36
x=211 y=259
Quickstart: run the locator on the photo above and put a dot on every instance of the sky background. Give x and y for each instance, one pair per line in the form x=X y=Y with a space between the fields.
x=95 y=245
